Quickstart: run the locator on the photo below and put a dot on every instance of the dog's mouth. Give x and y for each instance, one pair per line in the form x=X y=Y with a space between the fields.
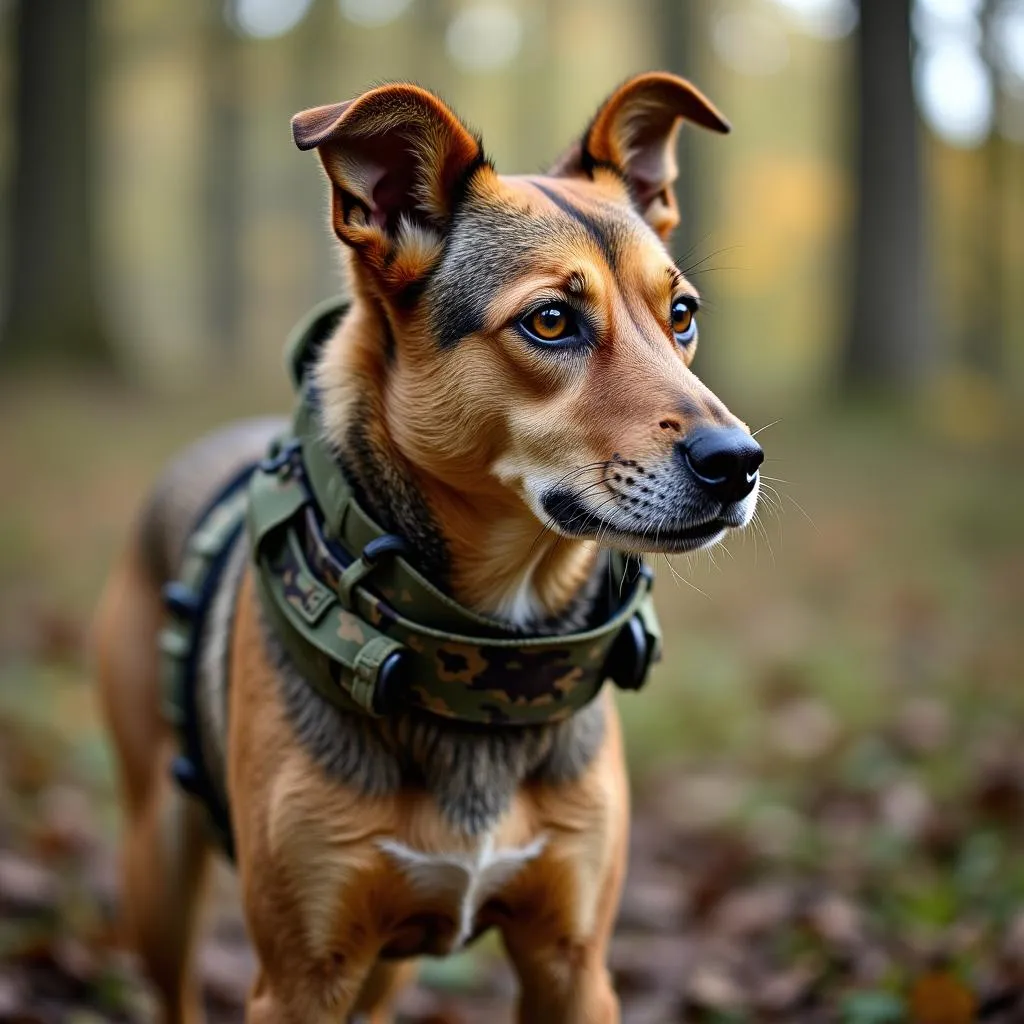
x=568 y=513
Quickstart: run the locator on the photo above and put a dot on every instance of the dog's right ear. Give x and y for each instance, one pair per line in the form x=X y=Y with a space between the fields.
x=398 y=161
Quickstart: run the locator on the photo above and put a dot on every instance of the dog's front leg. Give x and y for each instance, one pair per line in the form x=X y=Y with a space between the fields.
x=310 y=997
x=563 y=974
x=564 y=979
x=567 y=983
x=307 y=861
x=307 y=973
x=310 y=903
x=563 y=914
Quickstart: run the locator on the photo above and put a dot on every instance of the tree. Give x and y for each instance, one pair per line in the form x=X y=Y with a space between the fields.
x=889 y=343
x=222 y=179
x=54 y=312
x=681 y=42
x=682 y=45
x=985 y=325
x=318 y=48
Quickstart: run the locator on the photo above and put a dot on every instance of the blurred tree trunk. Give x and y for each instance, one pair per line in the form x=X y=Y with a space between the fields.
x=54 y=312
x=317 y=49
x=681 y=41
x=889 y=344
x=982 y=345
x=533 y=127
x=222 y=180
x=984 y=322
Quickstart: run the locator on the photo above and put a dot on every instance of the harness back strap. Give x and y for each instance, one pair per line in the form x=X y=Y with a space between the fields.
x=187 y=600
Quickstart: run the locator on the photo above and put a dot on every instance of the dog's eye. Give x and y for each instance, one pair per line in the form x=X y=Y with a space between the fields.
x=684 y=321
x=550 y=323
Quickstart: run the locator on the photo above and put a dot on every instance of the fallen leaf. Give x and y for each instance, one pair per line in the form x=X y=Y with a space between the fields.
x=939 y=997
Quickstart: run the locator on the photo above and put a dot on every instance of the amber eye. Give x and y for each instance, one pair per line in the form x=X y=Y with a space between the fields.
x=684 y=322
x=550 y=323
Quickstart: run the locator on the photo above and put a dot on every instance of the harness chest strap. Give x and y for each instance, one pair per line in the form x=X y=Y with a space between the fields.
x=362 y=649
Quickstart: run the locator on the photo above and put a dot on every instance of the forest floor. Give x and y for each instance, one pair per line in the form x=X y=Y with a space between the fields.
x=828 y=766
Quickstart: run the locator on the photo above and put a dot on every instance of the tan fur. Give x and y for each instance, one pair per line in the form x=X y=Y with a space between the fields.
x=328 y=890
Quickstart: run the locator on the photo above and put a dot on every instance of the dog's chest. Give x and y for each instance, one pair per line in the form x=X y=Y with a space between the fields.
x=455 y=886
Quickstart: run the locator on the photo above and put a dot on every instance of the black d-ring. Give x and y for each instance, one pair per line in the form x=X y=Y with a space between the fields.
x=279 y=456
x=388 y=544
x=630 y=657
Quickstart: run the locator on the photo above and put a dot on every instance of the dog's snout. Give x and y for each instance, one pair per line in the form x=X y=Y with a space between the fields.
x=724 y=460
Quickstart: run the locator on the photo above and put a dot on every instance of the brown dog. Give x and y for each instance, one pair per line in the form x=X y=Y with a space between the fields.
x=510 y=392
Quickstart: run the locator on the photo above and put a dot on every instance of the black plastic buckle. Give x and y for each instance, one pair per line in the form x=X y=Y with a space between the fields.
x=180 y=600
x=392 y=680
x=630 y=657
x=186 y=775
x=192 y=781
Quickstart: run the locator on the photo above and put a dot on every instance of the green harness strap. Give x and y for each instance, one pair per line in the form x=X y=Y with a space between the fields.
x=372 y=634
x=187 y=600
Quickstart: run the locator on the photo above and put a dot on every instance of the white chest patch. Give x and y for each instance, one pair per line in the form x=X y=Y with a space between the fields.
x=467 y=877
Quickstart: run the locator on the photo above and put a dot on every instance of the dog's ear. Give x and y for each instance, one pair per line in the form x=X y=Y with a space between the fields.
x=397 y=159
x=635 y=132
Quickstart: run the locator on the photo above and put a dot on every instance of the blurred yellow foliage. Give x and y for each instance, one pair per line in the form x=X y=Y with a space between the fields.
x=967 y=408
x=777 y=207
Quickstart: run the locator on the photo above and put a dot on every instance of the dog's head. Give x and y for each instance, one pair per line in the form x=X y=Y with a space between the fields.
x=535 y=335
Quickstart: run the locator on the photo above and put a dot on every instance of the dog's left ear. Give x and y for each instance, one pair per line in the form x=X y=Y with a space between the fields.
x=635 y=132
x=397 y=159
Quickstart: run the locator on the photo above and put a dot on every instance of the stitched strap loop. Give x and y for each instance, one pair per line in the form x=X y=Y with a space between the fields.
x=366 y=670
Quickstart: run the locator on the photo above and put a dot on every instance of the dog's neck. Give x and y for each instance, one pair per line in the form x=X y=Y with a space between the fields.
x=488 y=550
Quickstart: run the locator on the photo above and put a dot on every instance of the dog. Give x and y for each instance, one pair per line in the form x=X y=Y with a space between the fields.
x=509 y=395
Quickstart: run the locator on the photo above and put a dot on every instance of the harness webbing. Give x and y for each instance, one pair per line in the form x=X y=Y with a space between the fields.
x=188 y=600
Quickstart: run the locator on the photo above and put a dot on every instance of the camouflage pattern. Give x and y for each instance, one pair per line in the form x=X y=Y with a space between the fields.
x=509 y=680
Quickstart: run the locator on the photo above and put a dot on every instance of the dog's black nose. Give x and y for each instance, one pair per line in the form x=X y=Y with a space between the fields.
x=724 y=460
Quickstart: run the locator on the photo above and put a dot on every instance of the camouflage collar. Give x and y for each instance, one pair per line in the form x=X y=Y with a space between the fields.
x=370 y=633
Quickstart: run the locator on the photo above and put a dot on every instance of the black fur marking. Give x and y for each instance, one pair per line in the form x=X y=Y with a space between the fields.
x=411 y=294
x=388 y=496
x=463 y=185
x=489 y=246
x=603 y=234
